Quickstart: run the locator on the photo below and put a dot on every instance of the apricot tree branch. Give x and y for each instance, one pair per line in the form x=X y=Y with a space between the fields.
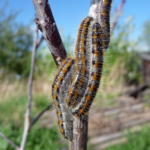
x=46 y=23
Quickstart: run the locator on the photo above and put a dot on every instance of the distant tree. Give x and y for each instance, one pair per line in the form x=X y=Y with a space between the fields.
x=122 y=48
x=15 y=44
x=145 y=37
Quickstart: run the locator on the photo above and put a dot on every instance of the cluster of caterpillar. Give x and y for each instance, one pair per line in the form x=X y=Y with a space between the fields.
x=77 y=81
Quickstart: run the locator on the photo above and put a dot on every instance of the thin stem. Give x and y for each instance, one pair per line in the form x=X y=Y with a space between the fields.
x=29 y=105
x=39 y=42
x=32 y=71
x=118 y=13
x=9 y=141
x=40 y=114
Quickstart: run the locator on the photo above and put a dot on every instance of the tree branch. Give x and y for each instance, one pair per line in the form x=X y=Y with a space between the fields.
x=40 y=114
x=46 y=23
x=39 y=42
x=117 y=15
x=80 y=134
x=29 y=105
x=9 y=141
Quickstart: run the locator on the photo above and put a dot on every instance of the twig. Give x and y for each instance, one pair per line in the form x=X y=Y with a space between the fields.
x=9 y=141
x=28 y=111
x=117 y=16
x=40 y=114
x=39 y=42
x=46 y=23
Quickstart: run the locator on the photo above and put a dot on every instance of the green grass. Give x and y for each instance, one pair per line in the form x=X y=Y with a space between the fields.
x=140 y=141
x=39 y=138
x=14 y=108
x=12 y=120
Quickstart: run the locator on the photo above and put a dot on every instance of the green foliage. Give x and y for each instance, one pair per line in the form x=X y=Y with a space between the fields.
x=135 y=141
x=15 y=44
x=38 y=139
x=45 y=63
x=11 y=124
x=122 y=48
x=145 y=37
x=9 y=111
x=132 y=67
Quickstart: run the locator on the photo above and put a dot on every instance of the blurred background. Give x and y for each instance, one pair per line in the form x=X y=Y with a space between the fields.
x=120 y=116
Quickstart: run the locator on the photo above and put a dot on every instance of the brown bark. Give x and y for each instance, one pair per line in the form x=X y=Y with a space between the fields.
x=80 y=133
x=46 y=23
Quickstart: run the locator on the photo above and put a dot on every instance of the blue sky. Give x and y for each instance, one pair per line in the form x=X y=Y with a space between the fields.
x=68 y=13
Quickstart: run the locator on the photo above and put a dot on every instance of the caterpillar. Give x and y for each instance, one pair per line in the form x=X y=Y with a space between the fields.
x=94 y=59
x=100 y=11
x=88 y=67
x=59 y=90
x=104 y=19
x=81 y=77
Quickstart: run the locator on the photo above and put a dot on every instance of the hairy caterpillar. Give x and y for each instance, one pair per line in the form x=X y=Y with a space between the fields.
x=104 y=7
x=94 y=59
x=59 y=90
x=81 y=77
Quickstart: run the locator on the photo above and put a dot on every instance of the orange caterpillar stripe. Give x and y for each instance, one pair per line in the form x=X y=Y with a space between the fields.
x=56 y=76
x=96 y=66
x=59 y=89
